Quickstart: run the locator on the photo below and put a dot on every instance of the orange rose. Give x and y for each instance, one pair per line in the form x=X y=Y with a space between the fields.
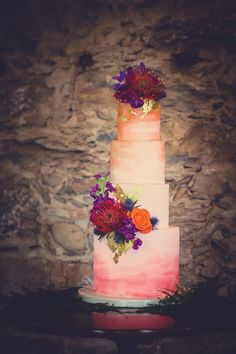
x=141 y=219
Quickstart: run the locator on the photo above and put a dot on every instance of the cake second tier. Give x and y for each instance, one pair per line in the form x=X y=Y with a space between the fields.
x=137 y=162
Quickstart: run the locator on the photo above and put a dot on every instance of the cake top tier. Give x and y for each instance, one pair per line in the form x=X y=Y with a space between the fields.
x=133 y=126
x=138 y=91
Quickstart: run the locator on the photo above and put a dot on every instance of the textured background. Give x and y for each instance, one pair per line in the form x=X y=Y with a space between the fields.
x=58 y=119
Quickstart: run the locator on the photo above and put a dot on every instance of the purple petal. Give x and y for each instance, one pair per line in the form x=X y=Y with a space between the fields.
x=129 y=70
x=110 y=187
x=142 y=68
x=137 y=243
x=121 y=77
x=98 y=176
x=154 y=220
x=137 y=103
x=117 y=86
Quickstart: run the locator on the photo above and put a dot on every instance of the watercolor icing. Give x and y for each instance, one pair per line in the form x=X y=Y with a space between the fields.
x=146 y=253
x=147 y=156
x=135 y=128
x=143 y=274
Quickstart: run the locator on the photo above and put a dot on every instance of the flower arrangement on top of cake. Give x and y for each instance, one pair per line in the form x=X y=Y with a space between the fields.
x=117 y=217
x=140 y=87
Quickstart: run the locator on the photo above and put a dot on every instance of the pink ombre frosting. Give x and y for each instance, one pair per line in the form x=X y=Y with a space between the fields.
x=136 y=128
x=145 y=273
x=138 y=164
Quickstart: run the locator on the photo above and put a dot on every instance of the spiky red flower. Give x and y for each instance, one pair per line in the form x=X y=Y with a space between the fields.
x=145 y=82
x=139 y=83
x=108 y=215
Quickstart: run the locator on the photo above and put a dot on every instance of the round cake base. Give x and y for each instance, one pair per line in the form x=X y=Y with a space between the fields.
x=89 y=295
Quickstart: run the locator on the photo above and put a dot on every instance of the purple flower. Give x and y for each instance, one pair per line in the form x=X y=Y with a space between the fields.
x=127 y=229
x=118 y=238
x=121 y=77
x=126 y=94
x=129 y=204
x=138 y=83
x=98 y=176
x=94 y=190
x=110 y=187
x=99 y=199
x=136 y=102
x=137 y=243
x=117 y=86
x=142 y=68
x=154 y=221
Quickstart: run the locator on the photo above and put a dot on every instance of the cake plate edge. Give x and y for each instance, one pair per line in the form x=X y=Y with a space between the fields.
x=89 y=295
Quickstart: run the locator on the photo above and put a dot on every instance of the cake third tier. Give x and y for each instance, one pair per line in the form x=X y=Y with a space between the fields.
x=137 y=162
x=153 y=197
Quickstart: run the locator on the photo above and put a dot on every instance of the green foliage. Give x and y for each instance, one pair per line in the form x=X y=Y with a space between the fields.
x=102 y=185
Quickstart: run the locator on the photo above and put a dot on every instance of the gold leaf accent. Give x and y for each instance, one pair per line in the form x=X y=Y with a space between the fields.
x=117 y=248
x=116 y=258
x=111 y=242
x=135 y=194
x=148 y=106
x=124 y=118
x=119 y=193
x=123 y=247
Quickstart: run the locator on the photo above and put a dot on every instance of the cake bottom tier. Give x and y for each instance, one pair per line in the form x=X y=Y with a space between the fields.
x=145 y=273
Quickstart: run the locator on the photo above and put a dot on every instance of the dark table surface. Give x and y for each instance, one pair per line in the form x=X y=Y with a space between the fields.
x=63 y=313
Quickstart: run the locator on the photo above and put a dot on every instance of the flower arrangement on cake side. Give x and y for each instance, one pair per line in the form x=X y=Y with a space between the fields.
x=140 y=87
x=117 y=218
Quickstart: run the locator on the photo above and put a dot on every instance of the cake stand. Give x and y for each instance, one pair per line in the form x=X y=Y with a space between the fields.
x=89 y=295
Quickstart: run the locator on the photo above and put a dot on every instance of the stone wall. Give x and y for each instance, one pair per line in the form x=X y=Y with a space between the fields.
x=58 y=119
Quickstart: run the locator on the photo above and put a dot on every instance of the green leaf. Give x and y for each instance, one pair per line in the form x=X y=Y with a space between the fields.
x=102 y=185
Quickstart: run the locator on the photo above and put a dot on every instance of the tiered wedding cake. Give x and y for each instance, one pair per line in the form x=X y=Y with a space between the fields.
x=145 y=249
